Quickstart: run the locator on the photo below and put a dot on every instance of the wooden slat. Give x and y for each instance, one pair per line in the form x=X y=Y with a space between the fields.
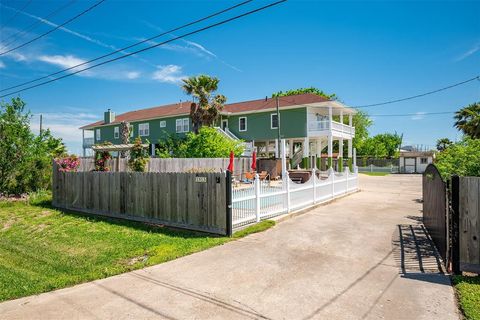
x=469 y=223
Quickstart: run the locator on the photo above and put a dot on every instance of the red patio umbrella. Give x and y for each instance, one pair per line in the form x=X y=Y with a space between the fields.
x=230 y=165
x=254 y=161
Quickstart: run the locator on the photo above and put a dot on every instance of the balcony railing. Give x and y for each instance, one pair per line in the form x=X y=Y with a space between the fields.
x=88 y=142
x=324 y=125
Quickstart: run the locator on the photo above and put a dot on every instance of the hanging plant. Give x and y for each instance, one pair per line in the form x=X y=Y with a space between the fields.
x=138 y=157
x=101 y=158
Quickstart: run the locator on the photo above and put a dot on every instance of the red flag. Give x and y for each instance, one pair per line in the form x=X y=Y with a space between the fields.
x=230 y=165
x=254 y=161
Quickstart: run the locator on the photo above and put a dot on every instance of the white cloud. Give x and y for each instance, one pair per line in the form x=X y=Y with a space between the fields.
x=418 y=116
x=2 y=65
x=170 y=74
x=67 y=61
x=132 y=75
x=469 y=52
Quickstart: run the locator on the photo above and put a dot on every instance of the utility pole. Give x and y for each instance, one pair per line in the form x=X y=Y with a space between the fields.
x=278 y=124
x=41 y=123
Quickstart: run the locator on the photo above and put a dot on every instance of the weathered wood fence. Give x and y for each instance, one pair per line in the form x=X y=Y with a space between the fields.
x=451 y=214
x=195 y=201
x=241 y=165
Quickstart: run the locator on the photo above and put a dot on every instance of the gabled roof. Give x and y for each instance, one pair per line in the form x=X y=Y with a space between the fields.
x=183 y=108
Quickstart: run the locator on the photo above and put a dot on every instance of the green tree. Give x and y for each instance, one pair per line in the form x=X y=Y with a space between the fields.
x=461 y=158
x=206 y=106
x=443 y=144
x=468 y=120
x=209 y=143
x=25 y=159
x=385 y=145
x=311 y=90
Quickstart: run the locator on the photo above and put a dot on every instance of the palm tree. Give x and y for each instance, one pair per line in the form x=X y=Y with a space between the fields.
x=468 y=120
x=205 y=108
x=443 y=144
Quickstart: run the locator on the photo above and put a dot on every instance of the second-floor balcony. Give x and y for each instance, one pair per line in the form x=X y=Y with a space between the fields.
x=322 y=127
x=88 y=142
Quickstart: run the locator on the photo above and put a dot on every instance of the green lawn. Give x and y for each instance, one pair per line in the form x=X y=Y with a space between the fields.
x=380 y=174
x=468 y=290
x=43 y=249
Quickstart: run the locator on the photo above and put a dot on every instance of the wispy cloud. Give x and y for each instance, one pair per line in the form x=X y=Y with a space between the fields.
x=468 y=53
x=169 y=74
x=69 y=61
x=191 y=46
x=2 y=65
x=418 y=116
x=75 y=33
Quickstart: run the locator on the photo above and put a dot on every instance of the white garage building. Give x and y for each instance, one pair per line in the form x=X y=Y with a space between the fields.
x=415 y=161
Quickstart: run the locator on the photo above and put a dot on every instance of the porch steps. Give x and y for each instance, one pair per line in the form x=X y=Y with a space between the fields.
x=228 y=134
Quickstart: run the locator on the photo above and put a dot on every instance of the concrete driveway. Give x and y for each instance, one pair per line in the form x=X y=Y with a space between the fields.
x=364 y=256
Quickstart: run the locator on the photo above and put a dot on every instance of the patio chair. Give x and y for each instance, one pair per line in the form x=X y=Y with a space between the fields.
x=264 y=175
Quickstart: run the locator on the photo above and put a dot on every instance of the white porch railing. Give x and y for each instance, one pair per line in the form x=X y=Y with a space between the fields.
x=324 y=125
x=263 y=199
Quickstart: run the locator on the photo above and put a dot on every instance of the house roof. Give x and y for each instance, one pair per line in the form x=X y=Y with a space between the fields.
x=183 y=108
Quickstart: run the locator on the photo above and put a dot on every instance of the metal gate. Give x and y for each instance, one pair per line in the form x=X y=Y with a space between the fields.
x=435 y=206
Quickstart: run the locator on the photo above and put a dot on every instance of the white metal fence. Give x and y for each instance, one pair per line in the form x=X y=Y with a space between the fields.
x=373 y=168
x=264 y=199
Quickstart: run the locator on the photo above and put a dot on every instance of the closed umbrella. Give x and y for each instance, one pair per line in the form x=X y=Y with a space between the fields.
x=230 y=165
x=254 y=161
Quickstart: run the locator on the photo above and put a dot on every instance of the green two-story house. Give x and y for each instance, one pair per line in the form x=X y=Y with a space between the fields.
x=306 y=121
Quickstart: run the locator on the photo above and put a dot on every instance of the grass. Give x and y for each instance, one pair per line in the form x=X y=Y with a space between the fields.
x=42 y=249
x=468 y=290
x=376 y=174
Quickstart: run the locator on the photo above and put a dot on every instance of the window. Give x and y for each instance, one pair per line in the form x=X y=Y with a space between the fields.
x=182 y=125
x=116 y=132
x=97 y=135
x=242 y=124
x=423 y=160
x=143 y=129
x=274 y=121
x=163 y=124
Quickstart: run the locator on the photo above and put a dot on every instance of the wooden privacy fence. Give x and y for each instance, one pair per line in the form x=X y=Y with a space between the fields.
x=241 y=165
x=194 y=201
x=451 y=214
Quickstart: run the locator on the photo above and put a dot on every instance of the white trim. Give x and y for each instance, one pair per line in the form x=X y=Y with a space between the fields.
x=224 y=120
x=144 y=129
x=271 y=120
x=180 y=123
x=163 y=123
x=240 y=124
x=116 y=132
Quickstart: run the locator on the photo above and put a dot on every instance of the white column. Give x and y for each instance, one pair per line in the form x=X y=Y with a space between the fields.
x=290 y=148
x=83 y=142
x=350 y=144
x=340 y=147
x=306 y=147
x=256 y=185
x=350 y=120
x=330 y=146
x=318 y=148
x=267 y=147
x=341 y=116
x=284 y=158
x=277 y=154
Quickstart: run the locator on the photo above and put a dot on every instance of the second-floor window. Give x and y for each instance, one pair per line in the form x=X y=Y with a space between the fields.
x=182 y=125
x=97 y=135
x=242 y=124
x=274 y=121
x=143 y=129
x=116 y=132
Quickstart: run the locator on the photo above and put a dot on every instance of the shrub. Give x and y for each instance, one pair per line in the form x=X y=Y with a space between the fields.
x=101 y=158
x=461 y=158
x=138 y=157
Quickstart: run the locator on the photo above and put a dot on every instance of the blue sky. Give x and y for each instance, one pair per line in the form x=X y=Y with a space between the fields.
x=365 y=52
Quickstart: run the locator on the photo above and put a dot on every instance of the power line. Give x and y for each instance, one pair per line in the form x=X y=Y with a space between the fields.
x=55 y=28
x=16 y=14
x=153 y=46
x=33 y=25
x=419 y=95
x=130 y=46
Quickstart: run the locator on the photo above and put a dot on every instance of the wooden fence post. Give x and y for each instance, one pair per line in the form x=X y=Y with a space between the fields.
x=455 y=220
x=229 y=226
